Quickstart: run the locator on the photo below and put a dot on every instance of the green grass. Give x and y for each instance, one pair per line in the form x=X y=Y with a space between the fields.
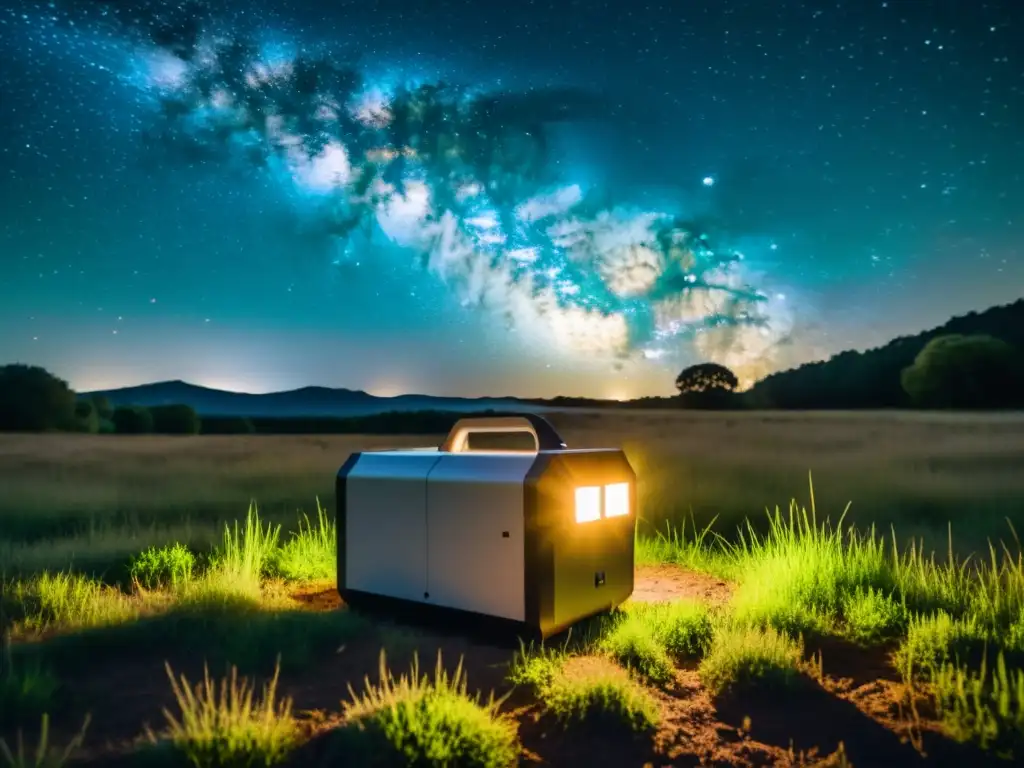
x=312 y=553
x=744 y=658
x=226 y=723
x=584 y=689
x=985 y=706
x=794 y=577
x=415 y=720
x=651 y=638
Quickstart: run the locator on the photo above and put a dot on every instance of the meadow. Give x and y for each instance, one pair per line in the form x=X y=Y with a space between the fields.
x=145 y=604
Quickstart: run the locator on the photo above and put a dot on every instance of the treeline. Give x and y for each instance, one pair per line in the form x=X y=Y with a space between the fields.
x=973 y=361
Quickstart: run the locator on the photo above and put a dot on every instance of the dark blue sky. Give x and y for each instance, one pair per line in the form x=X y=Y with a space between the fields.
x=609 y=192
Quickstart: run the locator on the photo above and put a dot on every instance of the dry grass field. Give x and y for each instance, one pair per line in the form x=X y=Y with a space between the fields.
x=130 y=562
x=96 y=499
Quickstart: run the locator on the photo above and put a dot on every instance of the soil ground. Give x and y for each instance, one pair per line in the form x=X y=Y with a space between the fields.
x=858 y=704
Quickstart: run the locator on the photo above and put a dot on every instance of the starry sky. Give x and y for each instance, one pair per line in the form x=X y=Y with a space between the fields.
x=532 y=198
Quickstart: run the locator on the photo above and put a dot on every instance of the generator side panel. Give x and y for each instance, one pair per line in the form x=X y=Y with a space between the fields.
x=385 y=525
x=590 y=564
x=475 y=533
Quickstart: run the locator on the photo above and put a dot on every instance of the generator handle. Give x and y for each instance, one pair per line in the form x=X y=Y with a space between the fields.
x=545 y=437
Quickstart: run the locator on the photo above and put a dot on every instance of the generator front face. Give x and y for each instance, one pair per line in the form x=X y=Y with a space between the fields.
x=542 y=538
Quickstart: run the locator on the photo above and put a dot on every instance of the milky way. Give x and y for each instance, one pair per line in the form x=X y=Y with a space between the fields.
x=462 y=180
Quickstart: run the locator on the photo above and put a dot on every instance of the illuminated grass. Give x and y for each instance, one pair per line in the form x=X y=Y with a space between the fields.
x=416 y=720
x=65 y=600
x=245 y=555
x=311 y=553
x=168 y=567
x=985 y=706
x=577 y=690
x=742 y=658
x=648 y=638
x=225 y=723
x=595 y=692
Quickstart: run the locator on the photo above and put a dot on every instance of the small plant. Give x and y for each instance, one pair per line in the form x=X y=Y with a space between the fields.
x=746 y=657
x=594 y=691
x=226 y=724
x=25 y=691
x=312 y=553
x=159 y=567
x=44 y=755
x=985 y=707
x=418 y=721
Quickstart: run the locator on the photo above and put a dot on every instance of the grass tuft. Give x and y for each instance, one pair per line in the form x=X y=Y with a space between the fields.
x=311 y=554
x=743 y=657
x=65 y=600
x=226 y=724
x=596 y=692
x=418 y=721
x=985 y=707
x=45 y=755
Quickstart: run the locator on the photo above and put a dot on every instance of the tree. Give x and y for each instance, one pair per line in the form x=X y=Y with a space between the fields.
x=86 y=417
x=34 y=400
x=706 y=377
x=175 y=420
x=707 y=385
x=132 y=420
x=959 y=371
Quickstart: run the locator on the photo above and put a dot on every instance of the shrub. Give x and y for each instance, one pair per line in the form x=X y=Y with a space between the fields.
x=86 y=418
x=226 y=724
x=168 y=566
x=416 y=721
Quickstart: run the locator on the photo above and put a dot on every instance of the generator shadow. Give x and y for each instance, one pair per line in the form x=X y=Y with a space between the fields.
x=477 y=629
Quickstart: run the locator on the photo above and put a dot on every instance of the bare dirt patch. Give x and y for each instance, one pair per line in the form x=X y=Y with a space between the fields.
x=656 y=583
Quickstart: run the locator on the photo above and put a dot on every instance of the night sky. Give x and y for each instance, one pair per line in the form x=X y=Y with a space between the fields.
x=470 y=198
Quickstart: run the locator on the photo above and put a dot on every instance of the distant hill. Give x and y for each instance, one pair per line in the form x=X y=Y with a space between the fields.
x=308 y=401
x=871 y=379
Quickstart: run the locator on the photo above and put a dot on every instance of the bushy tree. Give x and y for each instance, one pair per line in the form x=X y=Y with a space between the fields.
x=175 y=420
x=706 y=377
x=34 y=400
x=958 y=371
x=132 y=420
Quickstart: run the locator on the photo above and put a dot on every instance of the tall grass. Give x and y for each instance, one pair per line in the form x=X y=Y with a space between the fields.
x=225 y=723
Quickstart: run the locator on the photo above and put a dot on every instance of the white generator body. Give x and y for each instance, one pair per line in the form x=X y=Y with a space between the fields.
x=541 y=537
